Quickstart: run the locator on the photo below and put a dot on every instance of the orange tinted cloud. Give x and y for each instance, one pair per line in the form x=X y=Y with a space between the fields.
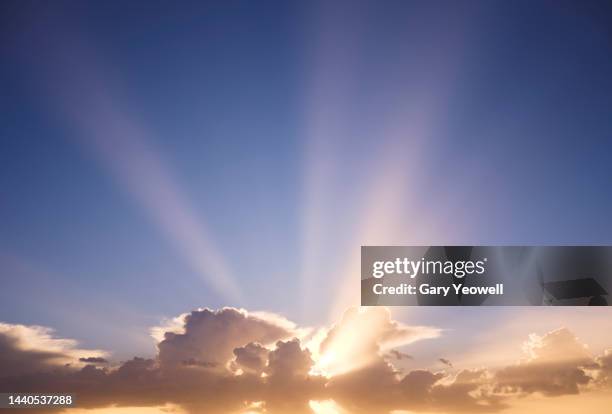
x=233 y=361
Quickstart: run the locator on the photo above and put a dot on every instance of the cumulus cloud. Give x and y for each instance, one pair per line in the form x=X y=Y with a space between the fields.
x=556 y=364
x=290 y=387
x=197 y=366
x=555 y=346
x=470 y=391
x=211 y=336
x=232 y=361
x=380 y=388
x=604 y=368
x=251 y=358
x=289 y=361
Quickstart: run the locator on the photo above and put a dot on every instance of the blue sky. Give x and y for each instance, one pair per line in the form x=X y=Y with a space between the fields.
x=290 y=133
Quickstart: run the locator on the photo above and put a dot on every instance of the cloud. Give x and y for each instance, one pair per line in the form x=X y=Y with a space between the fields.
x=93 y=360
x=470 y=391
x=168 y=325
x=232 y=361
x=196 y=367
x=369 y=389
x=604 y=368
x=555 y=346
x=289 y=361
x=380 y=388
x=446 y=362
x=556 y=364
x=29 y=349
x=251 y=358
x=394 y=353
x=212 y=336
x=289 y=385
x=362 y=335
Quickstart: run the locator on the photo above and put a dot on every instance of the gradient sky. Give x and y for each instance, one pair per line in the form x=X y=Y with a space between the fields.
x=159 y=158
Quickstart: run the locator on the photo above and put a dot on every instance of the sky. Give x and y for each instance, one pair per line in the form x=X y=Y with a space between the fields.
x=164 y=157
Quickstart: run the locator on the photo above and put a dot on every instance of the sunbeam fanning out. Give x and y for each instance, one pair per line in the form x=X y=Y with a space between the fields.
x=124 y=147
x=384 y=194
x=187 y=188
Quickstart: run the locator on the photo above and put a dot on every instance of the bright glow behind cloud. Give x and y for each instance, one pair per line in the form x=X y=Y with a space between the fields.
x=361 y=336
